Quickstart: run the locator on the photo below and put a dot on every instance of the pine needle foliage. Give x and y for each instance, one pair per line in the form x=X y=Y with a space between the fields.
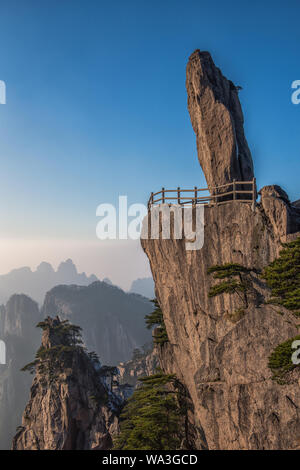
x=235 y=280
x=227 y=270
x=283 y=277
x=156 y=319
x=153 y=417
x=280 y=361
x=66 y=331
x=49 y=360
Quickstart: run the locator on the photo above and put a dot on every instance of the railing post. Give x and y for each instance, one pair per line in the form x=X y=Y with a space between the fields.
x=178 y=195
x=253 y=193
x=163 y=195
x=196 y=194
x=233 y=188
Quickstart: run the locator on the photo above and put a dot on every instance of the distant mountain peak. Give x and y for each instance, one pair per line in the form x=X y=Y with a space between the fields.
x=44 y=267
x=143 y=286
x=67 y=267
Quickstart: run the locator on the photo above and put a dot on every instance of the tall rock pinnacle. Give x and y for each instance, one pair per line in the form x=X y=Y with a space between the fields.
x=218 y=122
x=71 y=406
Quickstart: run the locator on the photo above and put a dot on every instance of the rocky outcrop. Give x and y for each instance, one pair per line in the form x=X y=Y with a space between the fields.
x=71 y=405
x=219 y=346
x=112 y=321
x=218 y=122
x=17 y=322
x=141 y=365
x=284 y=216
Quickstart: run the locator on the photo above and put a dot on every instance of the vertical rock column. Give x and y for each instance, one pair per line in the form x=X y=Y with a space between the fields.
x=218 y=122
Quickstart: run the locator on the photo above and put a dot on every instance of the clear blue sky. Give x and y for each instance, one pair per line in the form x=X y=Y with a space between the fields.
x=96 y=101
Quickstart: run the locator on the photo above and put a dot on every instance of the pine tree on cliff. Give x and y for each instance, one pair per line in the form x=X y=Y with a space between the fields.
x=235 y=281
x=67 y=340
x=153 y=417
x=283 y=277
x=156 y=319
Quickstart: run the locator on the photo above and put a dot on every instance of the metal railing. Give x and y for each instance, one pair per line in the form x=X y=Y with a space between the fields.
x=241 y=191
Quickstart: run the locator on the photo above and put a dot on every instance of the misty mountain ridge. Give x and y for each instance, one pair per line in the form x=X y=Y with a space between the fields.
x=36 y=283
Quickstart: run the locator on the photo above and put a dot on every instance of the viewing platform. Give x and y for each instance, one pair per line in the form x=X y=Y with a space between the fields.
x=241 y=191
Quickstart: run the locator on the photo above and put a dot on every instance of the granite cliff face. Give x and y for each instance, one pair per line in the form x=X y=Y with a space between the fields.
x=219 y=347
x=17 y=322
x=71 y=404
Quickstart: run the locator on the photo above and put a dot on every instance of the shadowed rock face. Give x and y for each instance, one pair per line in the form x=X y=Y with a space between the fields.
x=218 y=122
x=17 y=329
x=139 y=366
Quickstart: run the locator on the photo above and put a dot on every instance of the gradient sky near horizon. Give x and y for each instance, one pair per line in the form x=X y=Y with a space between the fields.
x=97 y=108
